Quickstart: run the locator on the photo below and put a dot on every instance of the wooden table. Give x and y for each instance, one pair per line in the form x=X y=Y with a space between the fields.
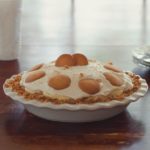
x=21 y=130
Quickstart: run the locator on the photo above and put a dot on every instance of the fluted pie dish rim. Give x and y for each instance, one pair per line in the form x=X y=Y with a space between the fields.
x=94 y=106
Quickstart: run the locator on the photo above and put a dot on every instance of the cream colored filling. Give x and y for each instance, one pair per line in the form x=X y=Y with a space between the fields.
x=93 y=70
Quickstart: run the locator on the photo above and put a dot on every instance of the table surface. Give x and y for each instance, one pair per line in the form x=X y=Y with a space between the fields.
x=43 y=37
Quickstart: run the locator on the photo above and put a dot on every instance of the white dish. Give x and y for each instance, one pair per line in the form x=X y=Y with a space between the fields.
x=78 y=112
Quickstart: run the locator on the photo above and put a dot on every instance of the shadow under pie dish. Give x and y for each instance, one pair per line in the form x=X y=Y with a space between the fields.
x=75 y=89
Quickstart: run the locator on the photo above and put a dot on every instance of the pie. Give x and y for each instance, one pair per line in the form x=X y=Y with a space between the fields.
x=74 y=79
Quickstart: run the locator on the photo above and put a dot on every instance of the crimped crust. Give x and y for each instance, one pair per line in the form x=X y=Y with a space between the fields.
x=14 y=84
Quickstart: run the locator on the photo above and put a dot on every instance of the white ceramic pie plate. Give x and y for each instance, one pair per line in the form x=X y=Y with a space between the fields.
x=78 y=112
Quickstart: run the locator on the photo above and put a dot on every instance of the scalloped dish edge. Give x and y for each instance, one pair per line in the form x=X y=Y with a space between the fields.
x=99 y=105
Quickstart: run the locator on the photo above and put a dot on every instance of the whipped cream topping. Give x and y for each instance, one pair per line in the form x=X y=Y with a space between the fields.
x=94 y=70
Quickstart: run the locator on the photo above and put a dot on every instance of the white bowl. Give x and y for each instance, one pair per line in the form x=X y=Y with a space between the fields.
x=78 y=112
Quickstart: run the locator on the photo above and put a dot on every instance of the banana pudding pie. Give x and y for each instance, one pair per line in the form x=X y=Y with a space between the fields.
x=74 y=79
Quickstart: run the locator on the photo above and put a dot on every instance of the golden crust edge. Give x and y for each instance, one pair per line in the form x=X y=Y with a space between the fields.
x=14 y=84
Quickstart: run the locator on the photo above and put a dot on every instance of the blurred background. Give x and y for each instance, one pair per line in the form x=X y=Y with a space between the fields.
x=85 y=22
x=54 y=26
